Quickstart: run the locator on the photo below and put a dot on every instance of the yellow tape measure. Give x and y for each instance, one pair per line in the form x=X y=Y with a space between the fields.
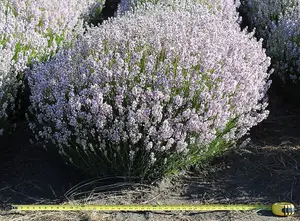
x=279 y=209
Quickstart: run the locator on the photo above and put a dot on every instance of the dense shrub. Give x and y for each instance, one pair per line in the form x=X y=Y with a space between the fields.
x=152 y=91
x=32 y=31
x=278 y=23
x=284 y=47
x=262 y=15
x=224 y=8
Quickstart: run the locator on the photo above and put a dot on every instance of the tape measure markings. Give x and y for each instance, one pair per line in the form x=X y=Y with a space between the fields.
x=215 y=207
x=278 y=209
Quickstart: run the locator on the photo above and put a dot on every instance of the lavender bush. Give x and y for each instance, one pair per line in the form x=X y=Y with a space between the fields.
x=263 y=15
x=224 y=8
x=32 y=31
x=284 y=47
x=151 y=92
x=277 y=22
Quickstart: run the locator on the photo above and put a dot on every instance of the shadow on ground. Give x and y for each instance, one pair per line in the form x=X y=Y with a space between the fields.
x=256 y=174
x=282 y=124
x=30 y=174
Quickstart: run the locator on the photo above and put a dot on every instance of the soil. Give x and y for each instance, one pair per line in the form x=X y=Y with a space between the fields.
x=29 y=173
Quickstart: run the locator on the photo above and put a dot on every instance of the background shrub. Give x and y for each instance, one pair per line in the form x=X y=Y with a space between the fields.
x=277 y=22
x=32 y=31
x=151 y=92
x=224 y=8
x=284 y=46
x=262 y=15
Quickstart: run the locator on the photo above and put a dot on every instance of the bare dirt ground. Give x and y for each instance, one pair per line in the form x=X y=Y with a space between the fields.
x=267 y=170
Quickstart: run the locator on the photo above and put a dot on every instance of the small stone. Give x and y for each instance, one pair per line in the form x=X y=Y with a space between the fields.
x=96 y=216
x=149 y=216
